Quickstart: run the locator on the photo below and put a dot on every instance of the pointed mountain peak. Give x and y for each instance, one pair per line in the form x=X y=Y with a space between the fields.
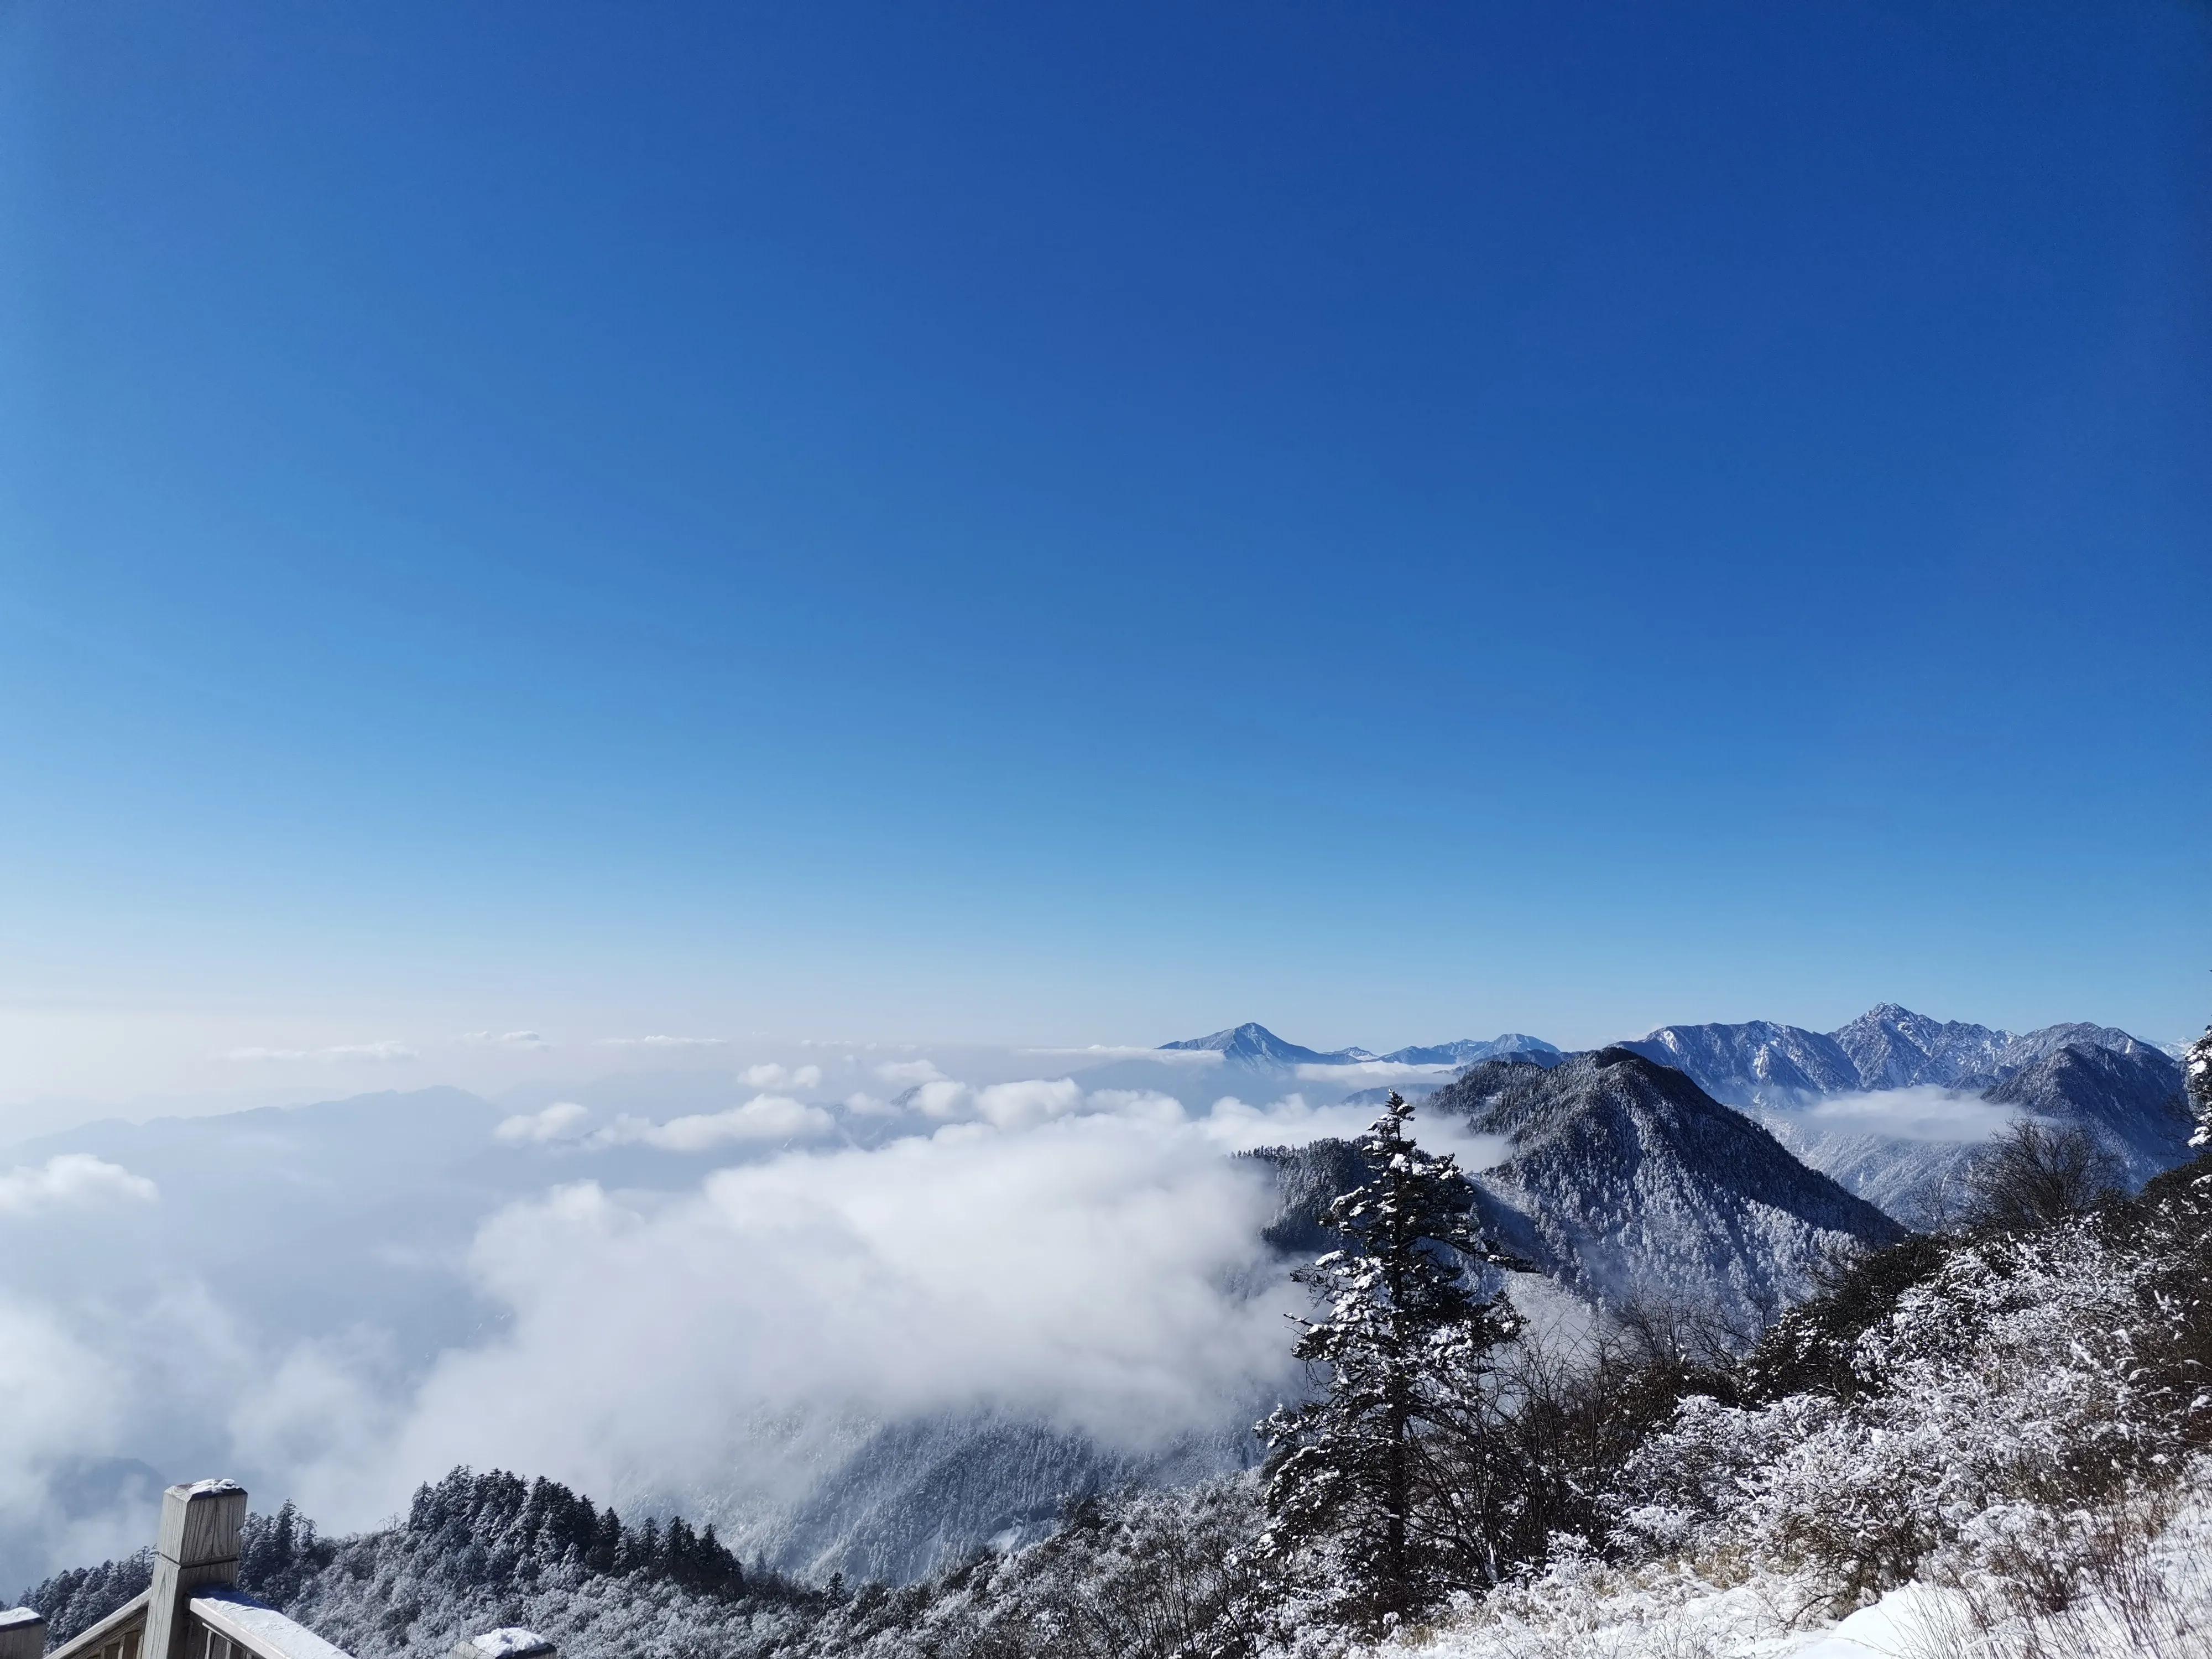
x=1254 y=1044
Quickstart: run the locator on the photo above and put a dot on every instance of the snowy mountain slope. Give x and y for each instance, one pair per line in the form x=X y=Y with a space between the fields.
x=1758 y=1063
x=1633 y=1180
x=1623 y=1178
x=916 y=1495
x=1800 y=1086
x=2130 y=1099
x=1894 y=1048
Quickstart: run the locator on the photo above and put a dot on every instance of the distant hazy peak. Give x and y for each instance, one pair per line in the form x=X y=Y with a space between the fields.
x=1465 y=1051
x=1254 y=1044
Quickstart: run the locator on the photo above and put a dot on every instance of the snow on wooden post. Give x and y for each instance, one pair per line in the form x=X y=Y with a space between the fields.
x=22 y=1634
x=511 y=1642
x=198 y=1548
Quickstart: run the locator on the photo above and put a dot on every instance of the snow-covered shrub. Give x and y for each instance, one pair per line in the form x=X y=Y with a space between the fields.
x=2022 y=1379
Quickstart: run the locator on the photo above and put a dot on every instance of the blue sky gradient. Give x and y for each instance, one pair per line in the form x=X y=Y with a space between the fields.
x=1050 y=524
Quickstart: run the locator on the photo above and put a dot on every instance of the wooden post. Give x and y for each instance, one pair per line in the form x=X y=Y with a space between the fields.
x=22 y=1634
x=198 y=1547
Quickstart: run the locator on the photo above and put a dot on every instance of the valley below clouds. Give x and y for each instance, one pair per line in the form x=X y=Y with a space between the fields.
x=715 y=1308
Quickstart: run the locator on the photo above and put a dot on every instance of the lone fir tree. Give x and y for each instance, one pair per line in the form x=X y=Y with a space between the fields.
x=1402 y=1330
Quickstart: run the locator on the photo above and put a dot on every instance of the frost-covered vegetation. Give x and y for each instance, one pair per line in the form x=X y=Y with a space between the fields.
x=1993 y=1442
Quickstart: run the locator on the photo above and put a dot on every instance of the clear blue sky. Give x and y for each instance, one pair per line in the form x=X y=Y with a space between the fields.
x=1048 y=523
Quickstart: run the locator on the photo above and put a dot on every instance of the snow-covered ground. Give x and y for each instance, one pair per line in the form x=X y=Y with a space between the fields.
x=2158 y=1604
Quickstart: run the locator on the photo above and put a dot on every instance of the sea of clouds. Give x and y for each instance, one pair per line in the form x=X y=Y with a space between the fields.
x=634 y=1303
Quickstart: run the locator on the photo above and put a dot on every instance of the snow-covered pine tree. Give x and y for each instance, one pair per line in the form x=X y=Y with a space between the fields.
x=1345 y=1487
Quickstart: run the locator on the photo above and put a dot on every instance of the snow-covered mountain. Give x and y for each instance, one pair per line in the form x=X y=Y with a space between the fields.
x=1895 y=1105
x=1756 y=1063
x=1761 y=1063
x=1894 y=1048
x=1626 y=1179
x=1253 y=1044
x=2131 y=1098
x=1621 y=1179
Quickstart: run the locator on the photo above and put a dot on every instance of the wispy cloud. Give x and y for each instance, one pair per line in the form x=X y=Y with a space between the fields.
x=1926 y=1113
x=72 y=1181
x=387 y=1050
x=1100 y=1052
x=1374 y=1071
x=773 y=1076
x=910 y=1071
x=510 y=1039
x=561 y=1120
x=1104 y=1273
x=660 y=1041
x=772 y=1118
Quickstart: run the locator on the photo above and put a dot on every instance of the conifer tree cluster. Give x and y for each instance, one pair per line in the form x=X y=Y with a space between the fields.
x=1353 y=1479
x=504 y=1526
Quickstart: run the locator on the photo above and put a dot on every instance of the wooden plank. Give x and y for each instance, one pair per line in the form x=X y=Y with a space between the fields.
x=22 y=1634
x=260 y=1632
x=125 y=1621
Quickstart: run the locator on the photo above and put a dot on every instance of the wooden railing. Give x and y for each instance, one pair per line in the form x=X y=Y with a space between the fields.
x=195 y=1610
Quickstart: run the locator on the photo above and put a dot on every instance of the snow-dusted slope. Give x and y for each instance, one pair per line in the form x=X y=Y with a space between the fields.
x=1758 y=1063
x=1894 y=1048
x=1834 y=1098
x=2130 y=1099
x=1628 y=1179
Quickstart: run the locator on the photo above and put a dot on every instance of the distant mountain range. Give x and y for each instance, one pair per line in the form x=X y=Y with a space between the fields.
x=1254 y=1045
x=1805 y=1088
x=1886 y=1047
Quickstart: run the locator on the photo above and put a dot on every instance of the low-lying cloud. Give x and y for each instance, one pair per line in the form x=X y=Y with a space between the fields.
x=562 y=1121
x=389 y=1049
x=1924 y=1113
x=71 y=1180
x=1374 y=1073
x=771 y=1075
x=763 y=1118
x=1098 y=1269
x=1088 y=1259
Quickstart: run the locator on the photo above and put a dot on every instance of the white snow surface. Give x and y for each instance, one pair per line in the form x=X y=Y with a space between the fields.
x=1583 y=1610
x=509 y=1642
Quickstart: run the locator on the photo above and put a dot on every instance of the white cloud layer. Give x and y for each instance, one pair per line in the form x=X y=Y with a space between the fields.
x=771 y=1075
x=1926 y=1113
x=562 y=1121
x=388 y=1049
x=763 y=1118
x=1092 y=1258
x=1374 y=1073
x=1086 y=1271
x=1100 y=1052
x=71 y=1180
